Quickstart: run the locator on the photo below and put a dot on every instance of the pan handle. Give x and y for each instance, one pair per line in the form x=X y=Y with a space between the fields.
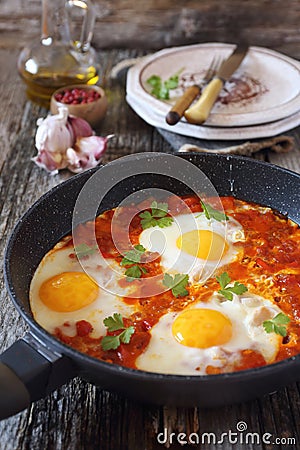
x=29 y=370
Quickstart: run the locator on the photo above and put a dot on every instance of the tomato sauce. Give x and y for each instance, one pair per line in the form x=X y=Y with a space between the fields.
x=269 y=265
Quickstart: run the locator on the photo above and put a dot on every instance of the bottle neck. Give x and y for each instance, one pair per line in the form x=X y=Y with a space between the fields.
x=54 y=22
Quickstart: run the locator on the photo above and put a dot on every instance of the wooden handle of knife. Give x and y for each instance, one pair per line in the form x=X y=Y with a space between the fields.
x=200 y=111
x=175 y=114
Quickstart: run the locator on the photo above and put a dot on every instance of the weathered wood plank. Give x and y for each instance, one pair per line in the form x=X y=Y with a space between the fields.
x=153 y=24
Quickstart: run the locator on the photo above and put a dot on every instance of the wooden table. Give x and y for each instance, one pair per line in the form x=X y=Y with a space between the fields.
x=79 y=415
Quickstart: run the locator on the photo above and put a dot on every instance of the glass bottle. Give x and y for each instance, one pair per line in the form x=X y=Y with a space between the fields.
x=63 y=55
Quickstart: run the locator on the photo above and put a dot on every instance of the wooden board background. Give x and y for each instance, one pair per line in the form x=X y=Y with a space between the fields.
x=162 y=23
x=79 y=415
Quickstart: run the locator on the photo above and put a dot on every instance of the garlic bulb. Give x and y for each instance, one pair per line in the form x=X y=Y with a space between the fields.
x=66 y=141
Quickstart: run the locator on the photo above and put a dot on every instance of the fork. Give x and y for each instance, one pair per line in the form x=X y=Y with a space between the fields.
x=189 y=95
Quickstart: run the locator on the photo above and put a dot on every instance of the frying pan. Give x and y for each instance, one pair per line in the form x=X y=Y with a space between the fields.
x=38 y=363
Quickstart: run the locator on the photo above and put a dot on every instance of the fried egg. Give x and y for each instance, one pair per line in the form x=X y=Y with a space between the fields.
x=210 y=333
x=62 y=292
x=194 y=245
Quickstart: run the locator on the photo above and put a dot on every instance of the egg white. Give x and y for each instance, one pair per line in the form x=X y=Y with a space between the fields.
x=56 y=262
x=246 y=312
x=175 y=260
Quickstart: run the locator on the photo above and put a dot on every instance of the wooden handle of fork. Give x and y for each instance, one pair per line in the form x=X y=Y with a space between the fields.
x=177 y=111
x=200 y=111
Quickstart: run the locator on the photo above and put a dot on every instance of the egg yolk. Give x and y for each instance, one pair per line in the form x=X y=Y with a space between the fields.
x=204 y=244
x=68 y=291
x=202 y=328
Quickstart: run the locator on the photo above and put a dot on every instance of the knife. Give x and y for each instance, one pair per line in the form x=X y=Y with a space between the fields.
x=199 y=112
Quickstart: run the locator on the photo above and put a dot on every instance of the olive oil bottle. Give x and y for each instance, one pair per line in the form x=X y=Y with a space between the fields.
x=63 y=55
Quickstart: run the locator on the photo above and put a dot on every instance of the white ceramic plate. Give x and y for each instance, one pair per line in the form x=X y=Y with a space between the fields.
x=216 y=133
x=265 y=88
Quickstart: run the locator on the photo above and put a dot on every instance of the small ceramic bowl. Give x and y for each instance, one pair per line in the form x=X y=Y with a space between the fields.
x=93 y=111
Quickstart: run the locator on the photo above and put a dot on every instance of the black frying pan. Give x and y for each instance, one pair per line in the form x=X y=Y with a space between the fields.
x=38 y=363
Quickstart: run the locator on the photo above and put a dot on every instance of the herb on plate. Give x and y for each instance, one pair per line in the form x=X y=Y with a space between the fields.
x=131 y=258
x=177 y=284
x=157 y=216
x=115 y=323
x=277 y=324
x=161 y=89
x=228 y=291
x=211 y=213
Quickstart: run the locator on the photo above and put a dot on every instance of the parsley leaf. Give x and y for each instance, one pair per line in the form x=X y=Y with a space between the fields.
x=154 y=81
x=277 y=324
x=132 y=257
x=134 y=272
x=177 y=284
x=157 y=216
x=228 y=291
x=115 y=323
x=83 y=250
x=158 y=88
x=159 y=209
x=211 y=213
x=172 y=82
x=161 y=89
x=126 y=335
x=110 y=342
x=223 y=279
x=147 y=220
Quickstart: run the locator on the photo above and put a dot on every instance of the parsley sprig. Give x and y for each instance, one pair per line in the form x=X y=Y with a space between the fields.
x=277 y=324
x=157 y=216
x=83 y=250
x=177 y=284
x=228 y=291
x=131 y=258
x=211 y=213
x=161 y=89
x=115 y=323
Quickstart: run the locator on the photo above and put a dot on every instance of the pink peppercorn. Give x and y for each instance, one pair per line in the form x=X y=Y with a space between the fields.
x=77 y=96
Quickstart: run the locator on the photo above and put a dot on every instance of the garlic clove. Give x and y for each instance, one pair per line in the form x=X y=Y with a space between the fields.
x=80 y=127
x=54 y=133
x=50 y=161
x=87 y=153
